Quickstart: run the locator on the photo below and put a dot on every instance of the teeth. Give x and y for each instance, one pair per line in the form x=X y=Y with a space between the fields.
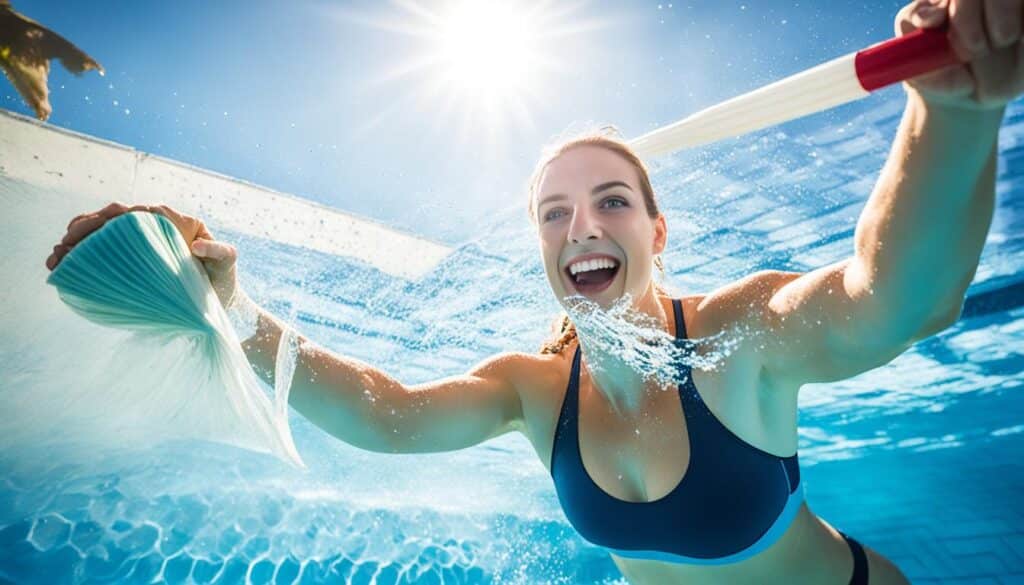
x=588 y=265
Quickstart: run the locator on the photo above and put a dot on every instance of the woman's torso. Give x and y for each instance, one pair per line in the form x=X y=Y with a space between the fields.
x=642 y=457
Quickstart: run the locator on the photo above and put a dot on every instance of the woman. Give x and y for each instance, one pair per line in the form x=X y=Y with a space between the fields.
x=706 y=473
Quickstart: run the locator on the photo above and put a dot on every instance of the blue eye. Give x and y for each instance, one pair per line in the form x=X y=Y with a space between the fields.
x=621 y=202
x=551 y=214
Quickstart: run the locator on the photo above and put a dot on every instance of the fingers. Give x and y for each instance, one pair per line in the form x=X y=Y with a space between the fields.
x=82 y=225
x=1003 y=22
x=111 y=210
x=1002 y=72
x=976 y=26
x=59 y=251
x=980 y=26
x=921 y=14
x=214 y=250
x=967 y=29
x=191 y=228
x=82 y=228
x=86 y=223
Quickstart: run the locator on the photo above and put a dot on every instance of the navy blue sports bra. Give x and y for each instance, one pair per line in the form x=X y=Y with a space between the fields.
x=734 y=501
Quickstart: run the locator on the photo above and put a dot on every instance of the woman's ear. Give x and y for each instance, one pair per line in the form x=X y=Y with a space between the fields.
x=660 y=234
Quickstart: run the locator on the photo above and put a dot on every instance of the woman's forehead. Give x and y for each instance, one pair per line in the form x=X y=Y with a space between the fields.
x=584 y=167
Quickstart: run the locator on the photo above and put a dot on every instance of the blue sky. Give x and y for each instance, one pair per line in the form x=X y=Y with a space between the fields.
x=292 y=95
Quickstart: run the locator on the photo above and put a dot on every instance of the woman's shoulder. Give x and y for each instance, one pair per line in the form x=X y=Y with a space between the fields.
x=537 y=377
x=541 y=380
x=527 y=367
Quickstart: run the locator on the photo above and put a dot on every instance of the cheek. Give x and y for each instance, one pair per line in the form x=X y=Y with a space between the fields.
x=641 y=237
x=551 y=238
x=549 y=256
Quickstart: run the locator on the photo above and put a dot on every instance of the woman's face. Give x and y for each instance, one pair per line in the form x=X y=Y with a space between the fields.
x=596 y=238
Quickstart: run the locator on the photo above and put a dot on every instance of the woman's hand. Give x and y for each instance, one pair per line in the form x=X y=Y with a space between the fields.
x=986 y=35
x=218 y=258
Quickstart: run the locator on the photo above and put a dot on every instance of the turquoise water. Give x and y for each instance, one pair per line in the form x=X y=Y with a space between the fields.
x=919 y=459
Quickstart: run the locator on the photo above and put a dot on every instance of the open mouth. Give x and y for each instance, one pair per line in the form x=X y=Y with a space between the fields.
x=592 y=276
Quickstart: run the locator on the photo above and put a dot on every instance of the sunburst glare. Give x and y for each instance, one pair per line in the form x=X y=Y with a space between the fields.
x=486 y=63
x=487 y=48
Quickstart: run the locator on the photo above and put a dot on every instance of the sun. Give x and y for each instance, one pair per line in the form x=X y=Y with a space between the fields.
x=489 y=48
x=489 y=64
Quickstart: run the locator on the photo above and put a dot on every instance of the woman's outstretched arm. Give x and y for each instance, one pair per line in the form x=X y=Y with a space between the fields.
x=348 y=398
x=369 y=409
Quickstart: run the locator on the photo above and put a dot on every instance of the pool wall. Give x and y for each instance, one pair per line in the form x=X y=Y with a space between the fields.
x=51 y=157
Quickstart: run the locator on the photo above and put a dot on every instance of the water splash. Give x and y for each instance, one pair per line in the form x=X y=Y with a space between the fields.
x=621 y=340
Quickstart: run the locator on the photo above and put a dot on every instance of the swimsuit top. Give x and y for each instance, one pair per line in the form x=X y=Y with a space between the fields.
x=734 y=501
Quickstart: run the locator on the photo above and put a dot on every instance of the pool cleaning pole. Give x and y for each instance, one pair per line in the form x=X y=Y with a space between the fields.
x=830 y=84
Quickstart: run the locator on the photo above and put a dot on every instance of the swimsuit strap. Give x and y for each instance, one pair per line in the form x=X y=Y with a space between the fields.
x=680 y=322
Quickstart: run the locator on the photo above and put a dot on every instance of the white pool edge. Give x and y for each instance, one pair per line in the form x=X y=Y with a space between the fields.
x=56 y=158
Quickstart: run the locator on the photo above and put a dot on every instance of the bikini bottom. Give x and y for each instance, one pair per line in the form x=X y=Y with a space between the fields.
x=860 y=562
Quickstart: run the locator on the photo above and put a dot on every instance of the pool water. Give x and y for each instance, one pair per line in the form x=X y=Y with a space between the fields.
x=919 y=459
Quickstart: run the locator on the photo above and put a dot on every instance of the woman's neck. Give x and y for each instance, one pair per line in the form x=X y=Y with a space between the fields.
x=618 y=378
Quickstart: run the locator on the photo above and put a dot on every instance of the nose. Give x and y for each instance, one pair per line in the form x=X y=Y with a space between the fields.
x=584 y=226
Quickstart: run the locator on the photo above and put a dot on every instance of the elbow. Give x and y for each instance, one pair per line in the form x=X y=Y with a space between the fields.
x=371 y=421
x=387 y=419
x=941 y=320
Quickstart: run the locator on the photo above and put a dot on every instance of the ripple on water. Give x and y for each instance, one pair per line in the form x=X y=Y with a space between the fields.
x=146 y=568
x=314 y=572
x=107 y=562
x=86 y=534
x=256 y=546
x=140 y=540
x=271 y=512
x=206 y=570
x=49 y=531
x=235 y=570
x=288 y=570
x=229 y=541
x=173 y=540
x=262 y=571
x=364 y=573
x=177 y=568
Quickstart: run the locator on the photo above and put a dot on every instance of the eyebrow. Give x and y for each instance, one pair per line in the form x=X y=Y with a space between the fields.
x=594 y=191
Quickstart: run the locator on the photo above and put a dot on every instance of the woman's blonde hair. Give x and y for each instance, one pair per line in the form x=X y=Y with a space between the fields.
x=563 y=332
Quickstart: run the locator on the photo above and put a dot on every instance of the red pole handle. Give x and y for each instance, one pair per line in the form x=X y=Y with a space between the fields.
x=922 y=51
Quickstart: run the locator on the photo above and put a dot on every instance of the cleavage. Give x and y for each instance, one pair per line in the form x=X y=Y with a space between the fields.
x=651 y=464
